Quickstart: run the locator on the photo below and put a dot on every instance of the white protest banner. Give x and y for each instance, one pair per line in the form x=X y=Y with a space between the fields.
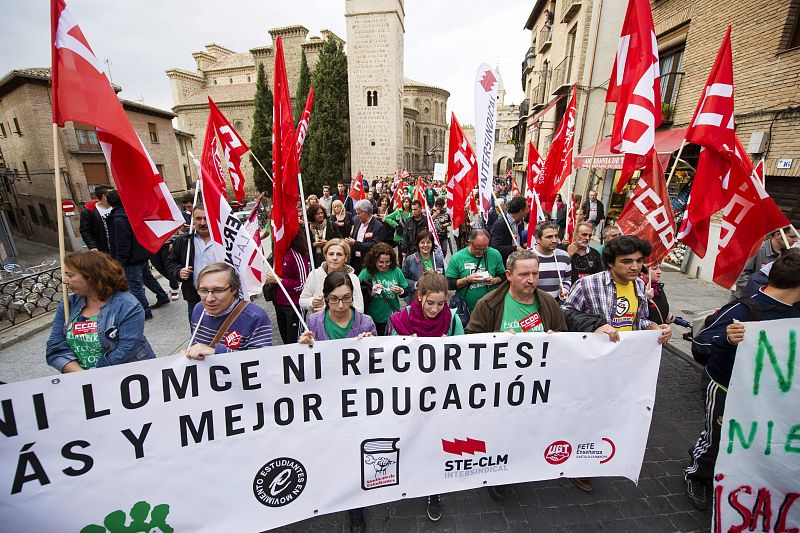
x=486 y=81
x=757 y=476
x=439 y=172
x=254 y=440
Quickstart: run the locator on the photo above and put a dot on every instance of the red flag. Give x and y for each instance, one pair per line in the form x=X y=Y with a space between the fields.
x=536 y=216
x=357 y=188
x=571 y=222
x=535 y=178
x=472 y=206
x=419 y=194
x=81 y=92
x=302 y=126
x=462 y=172
x=558 y=163
x=760 y=171
x=209 y=159
x=648 y=214
x=635 y=88
x=397 y=197
x=233 y=147
x=712 y=123
x=514 y=187
x=285 y=188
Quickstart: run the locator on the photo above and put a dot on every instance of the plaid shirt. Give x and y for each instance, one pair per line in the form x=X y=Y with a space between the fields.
x=597 y=294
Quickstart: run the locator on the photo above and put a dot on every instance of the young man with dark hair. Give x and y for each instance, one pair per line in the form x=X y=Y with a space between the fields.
x=555 y=269
x=719 y=340
x=412 y=226
x=503 y=241
x=93 y=225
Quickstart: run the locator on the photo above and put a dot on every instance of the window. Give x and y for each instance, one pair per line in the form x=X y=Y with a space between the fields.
x=2 y=160
x=45 y=216
x=33 y=215
x=95 y=173
x=160 y=169
x=670 y=65
x=793 y=27
x=27 y=172
x=408 y=134
x=496 y=135
x=372 y=98
x=425 y=138
x=182 y=145
x=248 y=79
x=2 y=130
x=17 y=130
x=230 y=80
x=87 y=139
x=153 y=132
x=416 y=137
x=238 y=126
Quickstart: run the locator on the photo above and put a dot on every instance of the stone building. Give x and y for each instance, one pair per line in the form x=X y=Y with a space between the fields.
x=507 y=119
x=765 y=39
x=572 y=41
x=229 y=77
x=424 y=126
x=26 y=154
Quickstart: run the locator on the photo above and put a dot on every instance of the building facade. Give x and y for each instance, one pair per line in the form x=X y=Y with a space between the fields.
x=26 y=155
x=424 y=127
x=766 y=67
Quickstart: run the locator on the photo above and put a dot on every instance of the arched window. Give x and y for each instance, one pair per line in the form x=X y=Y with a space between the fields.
x=435 y=111
x=417 y=104
x=416 y=162
x=416 y=137
x=425 y=137
x=237 y=125
x=407 y=161
x=408 y=134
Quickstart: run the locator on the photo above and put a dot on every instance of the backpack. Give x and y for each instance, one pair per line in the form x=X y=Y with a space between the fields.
x=755 y=313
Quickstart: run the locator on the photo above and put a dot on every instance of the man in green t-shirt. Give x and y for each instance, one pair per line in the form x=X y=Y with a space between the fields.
x=475 y=270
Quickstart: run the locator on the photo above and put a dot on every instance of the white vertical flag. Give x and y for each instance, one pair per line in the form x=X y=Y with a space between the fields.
x=486 y=81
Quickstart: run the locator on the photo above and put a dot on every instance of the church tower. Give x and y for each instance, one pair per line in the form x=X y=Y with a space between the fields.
x=375 y=36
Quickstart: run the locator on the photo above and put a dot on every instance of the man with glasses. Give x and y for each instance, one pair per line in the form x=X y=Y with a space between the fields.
x=225 y=322
x=475 y=270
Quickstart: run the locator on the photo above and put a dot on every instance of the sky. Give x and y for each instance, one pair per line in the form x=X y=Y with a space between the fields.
x=445 y=41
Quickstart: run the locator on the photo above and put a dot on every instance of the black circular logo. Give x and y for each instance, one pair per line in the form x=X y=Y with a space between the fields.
x=279 y=482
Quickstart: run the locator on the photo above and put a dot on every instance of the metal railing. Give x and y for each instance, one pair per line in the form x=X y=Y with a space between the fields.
x=545 y=37
x=538 y=96
x=89 y=147
x=28 y=293
x=524 y=106
x=569 y=8
x=562 y=73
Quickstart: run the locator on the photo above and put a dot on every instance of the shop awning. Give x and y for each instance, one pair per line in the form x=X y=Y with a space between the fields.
x=667 y=141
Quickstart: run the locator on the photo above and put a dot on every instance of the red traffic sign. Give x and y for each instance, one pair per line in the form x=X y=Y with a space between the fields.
x=68 y=206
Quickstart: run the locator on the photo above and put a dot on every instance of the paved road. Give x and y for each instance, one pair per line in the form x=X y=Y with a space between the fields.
x=657 y=504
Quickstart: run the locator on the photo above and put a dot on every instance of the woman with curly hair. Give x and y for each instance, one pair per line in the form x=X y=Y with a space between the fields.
x=106 y=322
x=387 y=281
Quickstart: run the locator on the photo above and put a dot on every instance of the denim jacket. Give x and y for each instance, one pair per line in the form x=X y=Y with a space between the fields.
x=120 y=326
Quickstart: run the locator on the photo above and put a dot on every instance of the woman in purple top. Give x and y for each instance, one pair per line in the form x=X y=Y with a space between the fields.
x=338 y=320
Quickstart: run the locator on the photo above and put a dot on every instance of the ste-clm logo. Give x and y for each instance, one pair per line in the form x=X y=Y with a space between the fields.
x=480 y=461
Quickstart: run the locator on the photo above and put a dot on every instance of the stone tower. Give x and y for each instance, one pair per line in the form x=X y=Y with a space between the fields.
x=375 y=35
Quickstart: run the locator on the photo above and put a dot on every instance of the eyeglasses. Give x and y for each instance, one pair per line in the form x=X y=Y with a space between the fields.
x=333 y=300
x=214 y=292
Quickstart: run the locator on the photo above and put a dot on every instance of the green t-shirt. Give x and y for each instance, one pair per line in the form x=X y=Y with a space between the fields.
x=382 y=305
x=84 y=341
x=334 y=330
x=427 y=264
x=520 y=317
x=463 y=263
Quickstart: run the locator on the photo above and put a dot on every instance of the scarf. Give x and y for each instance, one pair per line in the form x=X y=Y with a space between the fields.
x=412 y=320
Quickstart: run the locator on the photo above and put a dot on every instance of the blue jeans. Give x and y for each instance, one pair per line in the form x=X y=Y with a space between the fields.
x=134 y=274
x=152 y=283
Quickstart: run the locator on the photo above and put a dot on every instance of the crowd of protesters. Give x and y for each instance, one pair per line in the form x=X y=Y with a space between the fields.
x=376 y=268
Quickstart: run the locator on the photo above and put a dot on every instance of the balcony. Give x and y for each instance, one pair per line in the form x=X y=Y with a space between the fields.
x=538 y=95
x=545 y=38
x=569 y=8
x=524 y=106
x=528 y=62
x=562 y=75
x=670 y=85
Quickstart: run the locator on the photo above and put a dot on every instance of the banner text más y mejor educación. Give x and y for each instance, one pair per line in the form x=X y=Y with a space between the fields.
x=258 y=439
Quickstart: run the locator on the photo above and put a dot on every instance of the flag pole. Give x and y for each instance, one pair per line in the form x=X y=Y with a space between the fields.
x=259 y=164
x=60 y=217
x=590 y=170
x=194 y=204
x=675 y=164
x=503 y=214
x=785 y=240
x=305 y=220
x=285 y=292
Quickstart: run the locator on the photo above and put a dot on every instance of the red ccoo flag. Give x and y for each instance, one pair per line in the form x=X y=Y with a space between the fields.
x=357 y=188
x=210 y=160
x=82 y=93
x=712 y=128
x=462 y=172
x=302 y=126
x=636 y=89
x=285 y=188
x=233 y=147
x=648 y=214
x=558 y=163
x=535 y=178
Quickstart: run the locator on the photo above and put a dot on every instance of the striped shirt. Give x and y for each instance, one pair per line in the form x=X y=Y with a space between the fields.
x=550 y=266
x=251 y=329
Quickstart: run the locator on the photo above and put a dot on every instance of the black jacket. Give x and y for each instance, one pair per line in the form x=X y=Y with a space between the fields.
x=124 y=246
x=501 y=240
x=601 y=213
x=93 y=229
x=410 y=229
x=177 y=260
x=373 y=235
